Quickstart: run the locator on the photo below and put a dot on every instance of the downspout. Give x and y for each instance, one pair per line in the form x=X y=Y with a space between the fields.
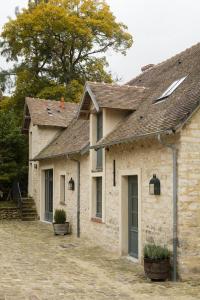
x=175 y=237
x=78 y=194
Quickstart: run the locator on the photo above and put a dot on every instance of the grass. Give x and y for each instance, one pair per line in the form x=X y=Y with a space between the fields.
x=7 y=204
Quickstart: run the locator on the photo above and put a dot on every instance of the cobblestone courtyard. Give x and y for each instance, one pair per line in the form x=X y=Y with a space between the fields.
x=37 y=265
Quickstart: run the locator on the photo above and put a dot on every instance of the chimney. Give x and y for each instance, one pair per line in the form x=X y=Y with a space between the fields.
x=62 y=103
x=147 y=67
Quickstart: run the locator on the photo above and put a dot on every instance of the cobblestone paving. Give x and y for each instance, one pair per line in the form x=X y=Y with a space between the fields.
x=36 y=265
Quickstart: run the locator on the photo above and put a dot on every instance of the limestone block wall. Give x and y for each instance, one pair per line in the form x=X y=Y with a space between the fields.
x=189 y=199
x=144 y=158
x=39 y=137
x=63 y=166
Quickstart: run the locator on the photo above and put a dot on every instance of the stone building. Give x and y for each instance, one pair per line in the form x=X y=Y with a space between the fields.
x=112 y=147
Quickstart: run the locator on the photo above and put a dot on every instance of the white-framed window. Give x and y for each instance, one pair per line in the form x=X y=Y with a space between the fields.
x=99 y=197
x=99 y=161
x=62 y=189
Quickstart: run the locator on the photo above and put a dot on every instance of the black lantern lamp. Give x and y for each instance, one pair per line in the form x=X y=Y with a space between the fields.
x=71 y=185
x=154 y=185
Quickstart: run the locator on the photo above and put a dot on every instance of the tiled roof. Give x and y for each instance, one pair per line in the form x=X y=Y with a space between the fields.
x=169 y=114
x=103 y=95
x=49 y=112
x=74 y=139
x=116 y=96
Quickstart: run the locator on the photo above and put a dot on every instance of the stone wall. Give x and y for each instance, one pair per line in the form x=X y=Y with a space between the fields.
x=143 y=158
x=39 y=137
x=189 y=199
x=9 y=213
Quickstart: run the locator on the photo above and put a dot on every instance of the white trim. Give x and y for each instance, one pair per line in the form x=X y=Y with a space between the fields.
x=62 y=173
x=92 y=96
x=123 y=176
x=132 y=259
x=46 y=222
x=42 y=190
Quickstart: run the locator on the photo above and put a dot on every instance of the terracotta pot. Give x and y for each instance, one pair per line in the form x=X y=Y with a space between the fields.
x=61 y=229
x=157 y=269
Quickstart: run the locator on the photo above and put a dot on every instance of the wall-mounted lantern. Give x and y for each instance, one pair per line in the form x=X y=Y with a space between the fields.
x=154 y=185
x=71 y=185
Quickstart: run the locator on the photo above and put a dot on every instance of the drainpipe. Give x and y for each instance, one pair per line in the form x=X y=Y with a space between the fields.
x=78 y=195
x=175 y=237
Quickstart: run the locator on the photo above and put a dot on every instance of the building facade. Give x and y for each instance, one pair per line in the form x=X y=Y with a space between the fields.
x=113 y=144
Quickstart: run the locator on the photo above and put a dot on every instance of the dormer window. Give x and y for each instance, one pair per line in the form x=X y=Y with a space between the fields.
x=170 y=89
x=99 y=136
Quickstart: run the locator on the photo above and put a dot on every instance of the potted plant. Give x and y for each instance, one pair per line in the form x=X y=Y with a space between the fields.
x=60 y=226
x=156 y=262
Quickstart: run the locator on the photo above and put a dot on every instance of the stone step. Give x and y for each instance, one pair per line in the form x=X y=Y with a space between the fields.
x=30 y=211
x=28 y=208
x=28 y=202
x=29 y=219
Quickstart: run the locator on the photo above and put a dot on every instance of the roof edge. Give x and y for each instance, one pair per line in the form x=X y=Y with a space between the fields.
x=88 y=90
x=82 y=151
x=127 y=140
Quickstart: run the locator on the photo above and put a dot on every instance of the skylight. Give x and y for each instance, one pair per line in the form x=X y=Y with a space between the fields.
x=171 y=89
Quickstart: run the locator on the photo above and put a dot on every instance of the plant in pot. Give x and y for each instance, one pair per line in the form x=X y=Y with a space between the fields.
x=61 y=227
x=156 y=262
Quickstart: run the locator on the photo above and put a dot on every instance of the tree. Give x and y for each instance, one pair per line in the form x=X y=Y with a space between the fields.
x=13 y=148
x=61 y=42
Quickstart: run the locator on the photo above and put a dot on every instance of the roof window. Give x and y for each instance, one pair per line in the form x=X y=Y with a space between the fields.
x=171 y=89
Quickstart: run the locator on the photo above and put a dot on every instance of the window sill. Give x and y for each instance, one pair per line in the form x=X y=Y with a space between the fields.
x=63 y=203
x=97 y=220
x=97 y=170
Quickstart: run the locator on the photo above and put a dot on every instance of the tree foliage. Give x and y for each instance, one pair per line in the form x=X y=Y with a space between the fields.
x=13 y=148
x=60 y=42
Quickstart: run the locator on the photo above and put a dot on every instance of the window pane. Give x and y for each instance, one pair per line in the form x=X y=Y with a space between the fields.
x=99 y=126
x=62 y=188
x=99 y=197
x=99 y=158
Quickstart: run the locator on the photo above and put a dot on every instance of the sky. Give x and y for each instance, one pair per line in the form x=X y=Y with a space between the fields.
x=160 y=29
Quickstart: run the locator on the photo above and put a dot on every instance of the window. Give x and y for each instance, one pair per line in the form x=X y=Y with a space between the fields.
x=99 y=126
x=99 y=197
x=171 y=89
x=99 y=136
x=62 y=189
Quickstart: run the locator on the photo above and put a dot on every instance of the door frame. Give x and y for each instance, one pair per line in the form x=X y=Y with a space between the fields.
x=42 y=191
x=123 y=222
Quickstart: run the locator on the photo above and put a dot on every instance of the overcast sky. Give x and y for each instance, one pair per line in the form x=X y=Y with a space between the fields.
x=160 y=29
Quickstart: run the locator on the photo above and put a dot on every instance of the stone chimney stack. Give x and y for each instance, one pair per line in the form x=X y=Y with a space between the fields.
x=62 y=103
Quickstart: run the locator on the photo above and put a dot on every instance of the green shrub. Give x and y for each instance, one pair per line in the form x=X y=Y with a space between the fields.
x=60 y=216
x=156 y=252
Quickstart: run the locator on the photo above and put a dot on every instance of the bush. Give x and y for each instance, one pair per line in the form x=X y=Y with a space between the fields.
x=156 y=252
x=60 y=216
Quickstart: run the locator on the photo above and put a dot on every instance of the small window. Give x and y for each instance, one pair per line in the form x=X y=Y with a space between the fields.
x=99 y=197
x=99 y=126
x=171 y=89
x=62 y=189
x=99 y=152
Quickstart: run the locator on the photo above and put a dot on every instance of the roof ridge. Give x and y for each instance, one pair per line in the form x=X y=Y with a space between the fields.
x=163 y=62
x=116 y=85
x=50 y=100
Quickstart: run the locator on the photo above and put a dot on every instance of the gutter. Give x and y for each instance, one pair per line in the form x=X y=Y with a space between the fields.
x=128 y=140
x=83 y=151
x=175 y=236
